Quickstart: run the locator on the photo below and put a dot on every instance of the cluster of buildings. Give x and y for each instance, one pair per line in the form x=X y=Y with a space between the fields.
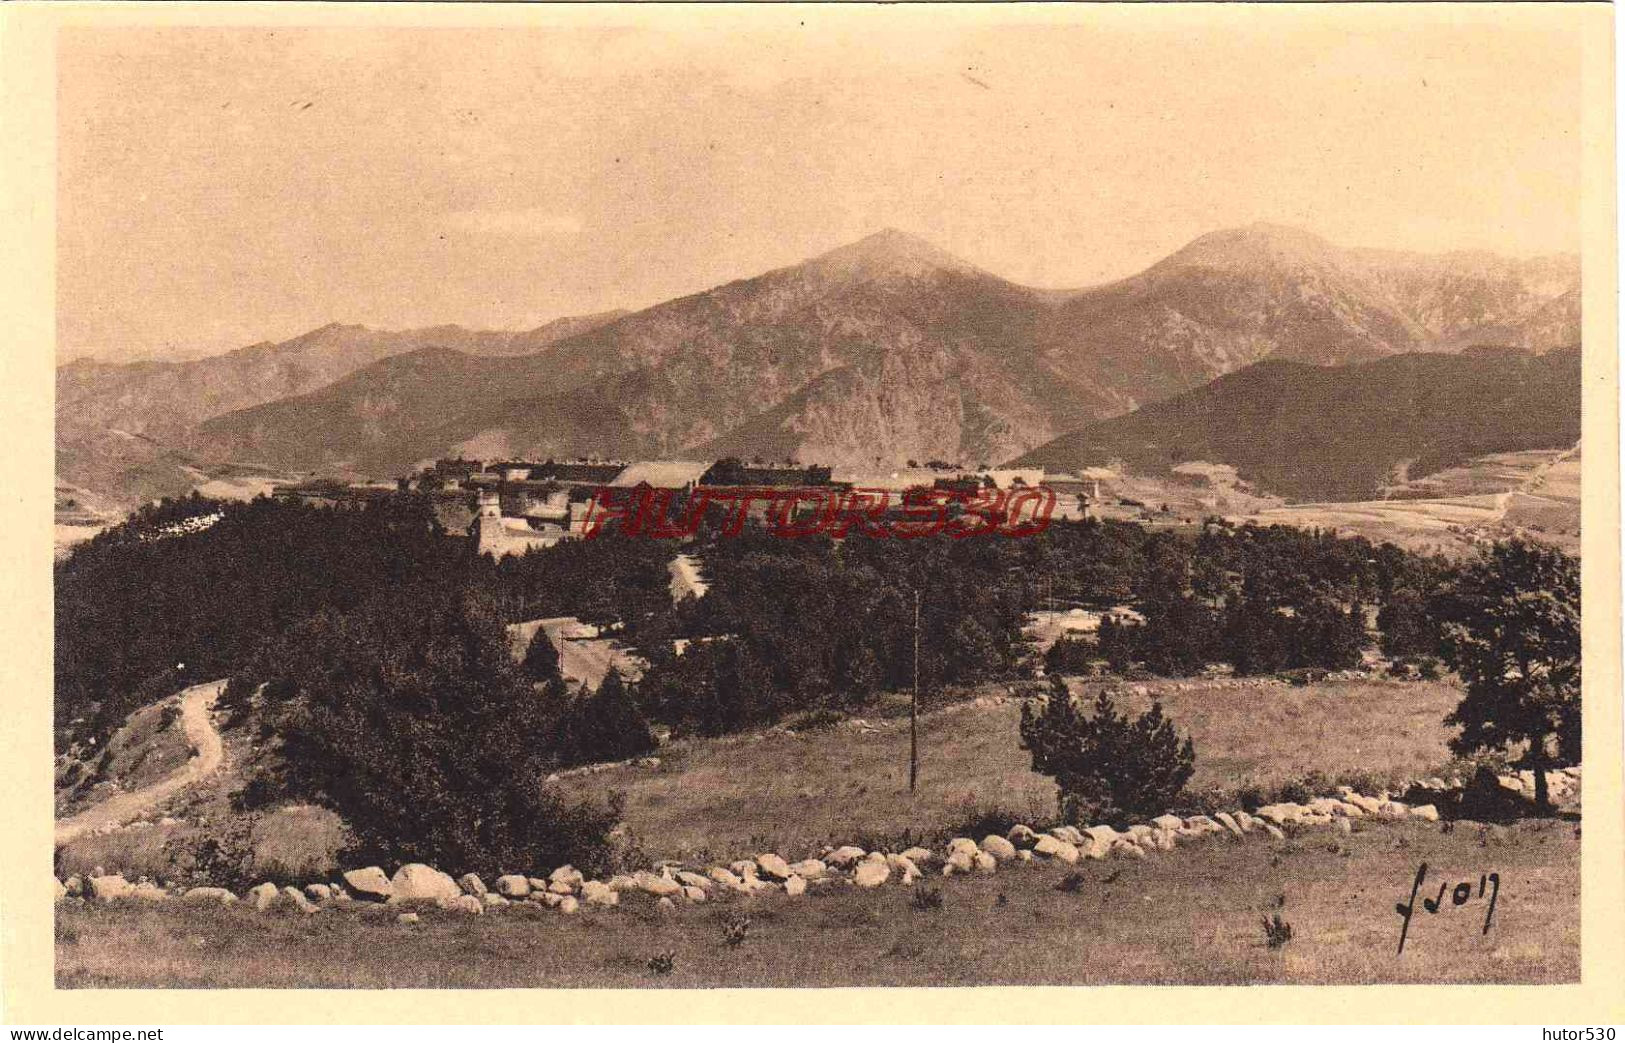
x=509 y=506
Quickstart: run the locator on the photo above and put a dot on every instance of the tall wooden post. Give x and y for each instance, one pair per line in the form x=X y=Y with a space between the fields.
x=914 y=704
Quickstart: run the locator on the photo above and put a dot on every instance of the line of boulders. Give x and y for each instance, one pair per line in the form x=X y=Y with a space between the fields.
x=566 y=890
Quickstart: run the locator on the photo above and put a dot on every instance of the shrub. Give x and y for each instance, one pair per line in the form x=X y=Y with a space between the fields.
x=1071 y=883
x=1277 y=932
x=1070 y=655
x=1109 y=766
x=925 y=899
x=735 y=929
x=663 y=962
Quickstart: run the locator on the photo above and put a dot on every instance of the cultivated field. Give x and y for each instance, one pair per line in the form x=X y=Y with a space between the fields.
x=794 y=793
x=1191 y=916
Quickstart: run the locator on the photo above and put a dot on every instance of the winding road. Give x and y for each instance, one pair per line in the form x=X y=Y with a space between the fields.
x=208 y=753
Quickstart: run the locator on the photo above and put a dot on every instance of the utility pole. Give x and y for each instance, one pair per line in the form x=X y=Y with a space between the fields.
x=914 y=703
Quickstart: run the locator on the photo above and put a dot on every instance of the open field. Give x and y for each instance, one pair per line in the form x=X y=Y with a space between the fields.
x=793 y=793
x=1491 y=496
x=1191 y=916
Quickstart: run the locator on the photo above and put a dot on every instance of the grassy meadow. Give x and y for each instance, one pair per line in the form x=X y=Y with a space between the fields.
x=794 y=793
x=1191 y=916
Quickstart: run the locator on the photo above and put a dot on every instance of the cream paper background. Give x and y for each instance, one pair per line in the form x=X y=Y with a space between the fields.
x=27 y=362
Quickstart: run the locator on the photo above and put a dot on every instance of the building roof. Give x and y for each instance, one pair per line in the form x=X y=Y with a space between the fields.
x=662 y=474
x=1004 y=478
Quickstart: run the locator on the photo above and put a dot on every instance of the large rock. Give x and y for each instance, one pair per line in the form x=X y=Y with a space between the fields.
x=1101 y=833
x=920 y=856
x=472 y=885
x=694 y=894
x=561 y=887
x=1229 y=822
x=147 y=891
x=1022 y=837
x=568 y=904
x=1051 y=847
x=596 y=892
x=262 y=896
x=296 y=899
x=809 y=869
x=493 y=900
x=959 y=861
x=1425 y=812
x=985 y=863
x=512 y=885
x=773 y=867
x=1273 y=830
x=319 y=893
x=871 y=874
x=727 y=878
x=1168 y=822
x=1245 y=821
x=61 y=889
x=689 y=878
x=110 y=888
x=1281 y=814
x=75 y=886
x=566 y=875
x=1122 y=847
x=999 y=848
x=1069 y=834
x=416 y=882
x=844 y=857
x=659 y=886
x=795 y=886
x=218 y=895
x=461 y=903
x=369 y=884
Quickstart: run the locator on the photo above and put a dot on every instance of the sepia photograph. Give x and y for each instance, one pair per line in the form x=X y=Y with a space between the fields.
x=826 y=499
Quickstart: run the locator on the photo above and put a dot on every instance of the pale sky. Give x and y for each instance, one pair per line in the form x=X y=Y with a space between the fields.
x=224 y=186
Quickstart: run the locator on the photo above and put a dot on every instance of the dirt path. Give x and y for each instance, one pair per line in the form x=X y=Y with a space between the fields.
x=1503 y=500
x=208 y=753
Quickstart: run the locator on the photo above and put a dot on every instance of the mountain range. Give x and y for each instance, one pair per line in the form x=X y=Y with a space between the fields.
x=879 y=351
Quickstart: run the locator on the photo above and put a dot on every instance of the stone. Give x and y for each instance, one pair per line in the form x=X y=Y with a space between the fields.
x=622 y=882
x=1168 y=822
x=1022 y=836
x=262 y=896
x=659 y=886
x=1425 y=812
x=462 y=903
x=61 y=890
x=297 y=899
x=1245 y=821
x=1229 y=822
x=795 y=886
x=773 y=867
x=75 y=886
x=566 y=875
x=688 y=878
x=493 y=900
x=1393 y=809
x=1273 y=830
x=369 y=884
x=745 y=868
x=1203 y=824
x=1101 y=833
x=109 y=888
x=1139 y=831
x=1164 y=839
x=561 y=887
x=408 y=918
x=569 y=904
x=809 y=869
x=512 y=885
x=844 y=857
x=986 y=863
x=1281 y=814
x=727 y=878
x=537 y=883
x=1049 y=847
x=147 y=891
x=1344 y=826
x=318 y=893
x=666 y=905
x=472 y=885
x=418 y=882
x=1369 y=805
x=1024 y=855
x=209 y=894
x=549 y=899
x=960 y=861
x=1122 y=848
x=999 y=847
x=596 y=892
x=965 y=844
x=919 y=856
x=1068 y=834
x=871 y=874
x=694 y=894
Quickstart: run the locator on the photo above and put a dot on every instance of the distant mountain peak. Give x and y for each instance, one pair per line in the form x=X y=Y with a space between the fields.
x=1249 y=246
x=890 y=253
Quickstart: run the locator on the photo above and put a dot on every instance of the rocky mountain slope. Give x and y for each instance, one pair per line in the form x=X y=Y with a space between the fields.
x=889 y=349
x=1343 y=432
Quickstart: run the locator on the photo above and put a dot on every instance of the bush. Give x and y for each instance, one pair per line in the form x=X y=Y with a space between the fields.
x=1109 y=767
x=1070 y=655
